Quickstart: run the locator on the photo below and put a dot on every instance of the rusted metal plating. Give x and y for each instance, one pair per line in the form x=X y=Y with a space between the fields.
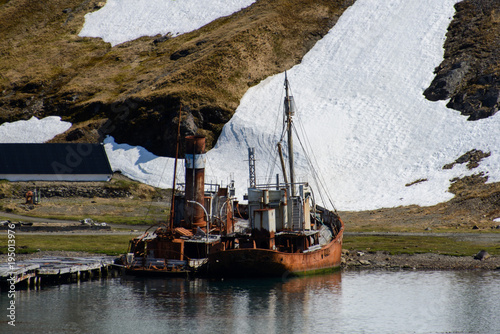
x=195 y=181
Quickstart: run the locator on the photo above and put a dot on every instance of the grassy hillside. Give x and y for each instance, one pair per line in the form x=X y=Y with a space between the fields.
x=48 y=70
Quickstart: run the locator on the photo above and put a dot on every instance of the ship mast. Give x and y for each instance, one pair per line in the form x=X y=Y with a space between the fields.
x=289 y=112
x=172 y=204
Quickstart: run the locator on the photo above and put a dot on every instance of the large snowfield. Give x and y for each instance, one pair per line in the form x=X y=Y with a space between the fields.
x=359 y=98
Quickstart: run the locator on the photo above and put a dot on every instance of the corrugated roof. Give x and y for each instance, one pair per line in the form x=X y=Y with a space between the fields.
x=54 y=159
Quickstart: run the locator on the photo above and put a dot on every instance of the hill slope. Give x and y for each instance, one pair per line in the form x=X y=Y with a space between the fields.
x=47 y=69
x=133 y=91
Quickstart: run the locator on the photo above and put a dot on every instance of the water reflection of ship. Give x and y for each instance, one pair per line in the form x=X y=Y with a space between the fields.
x=240 y=305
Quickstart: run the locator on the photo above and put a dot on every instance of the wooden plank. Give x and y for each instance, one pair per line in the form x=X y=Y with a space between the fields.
x=19 y=268
x=52 y=265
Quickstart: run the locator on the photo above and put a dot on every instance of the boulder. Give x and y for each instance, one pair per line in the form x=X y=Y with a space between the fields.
x=482 y=255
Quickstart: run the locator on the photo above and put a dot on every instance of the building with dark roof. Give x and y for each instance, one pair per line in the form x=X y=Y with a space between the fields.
x=54 y=162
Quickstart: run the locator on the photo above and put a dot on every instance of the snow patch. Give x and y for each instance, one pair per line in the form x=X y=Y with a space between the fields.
x=33 y=130
x=120 y=21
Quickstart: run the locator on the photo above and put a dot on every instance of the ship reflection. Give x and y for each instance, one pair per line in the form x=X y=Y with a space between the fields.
x=240 y=305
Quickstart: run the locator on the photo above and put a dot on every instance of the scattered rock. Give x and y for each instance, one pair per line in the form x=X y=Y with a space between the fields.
x=181 y=54
x=162 y=38
x=425 y=261
x=415 y=182
x=482 y=255
x=472 y=158
x=75 y=134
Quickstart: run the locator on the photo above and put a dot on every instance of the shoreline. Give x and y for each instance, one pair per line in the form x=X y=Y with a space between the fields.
x=353 y=260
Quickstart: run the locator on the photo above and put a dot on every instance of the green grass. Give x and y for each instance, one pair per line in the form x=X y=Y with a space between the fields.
x=418 y=244
x=99 y=244
x=118 y=244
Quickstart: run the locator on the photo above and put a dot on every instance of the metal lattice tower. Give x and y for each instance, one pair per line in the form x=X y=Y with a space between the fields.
x=251 y=166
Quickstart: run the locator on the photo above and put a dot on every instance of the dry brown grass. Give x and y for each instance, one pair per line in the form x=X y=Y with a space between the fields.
x=144 y=204
x=44 y=59
x=475 y=204
x=39 y=43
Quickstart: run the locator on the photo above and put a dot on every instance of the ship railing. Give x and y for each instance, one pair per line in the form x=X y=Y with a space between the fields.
x=312 y=248
x=279 y=186
x=210 y=188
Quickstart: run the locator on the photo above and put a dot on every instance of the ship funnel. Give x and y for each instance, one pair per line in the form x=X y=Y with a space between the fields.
x=194 y=213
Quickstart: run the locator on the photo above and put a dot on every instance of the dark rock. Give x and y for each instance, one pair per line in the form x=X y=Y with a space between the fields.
x=469 y=74
x=482 y=255
x=189 y=125
x=472 y=158
x=75 y=134
x=444 y=85
x=478 y=104
x=162 y=39
x=180 y=54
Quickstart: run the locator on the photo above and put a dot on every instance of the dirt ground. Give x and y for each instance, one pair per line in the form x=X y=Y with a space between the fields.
x=356 y=260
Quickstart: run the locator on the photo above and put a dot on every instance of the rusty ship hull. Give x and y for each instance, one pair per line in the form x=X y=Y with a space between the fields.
x=255 y=262
x=200 y=213
x=288 y=231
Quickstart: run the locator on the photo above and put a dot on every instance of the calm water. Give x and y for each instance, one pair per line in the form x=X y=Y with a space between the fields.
x=352 y=302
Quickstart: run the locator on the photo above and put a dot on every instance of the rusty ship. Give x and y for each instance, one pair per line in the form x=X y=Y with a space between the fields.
x=200 y=214
x=281 y=231
x=287 y=232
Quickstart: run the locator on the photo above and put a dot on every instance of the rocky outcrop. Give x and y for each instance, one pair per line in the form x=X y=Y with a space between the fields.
x=470 y=72
x=447 y=82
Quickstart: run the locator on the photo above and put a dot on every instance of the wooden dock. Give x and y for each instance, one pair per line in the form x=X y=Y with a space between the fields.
x=54 y=270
